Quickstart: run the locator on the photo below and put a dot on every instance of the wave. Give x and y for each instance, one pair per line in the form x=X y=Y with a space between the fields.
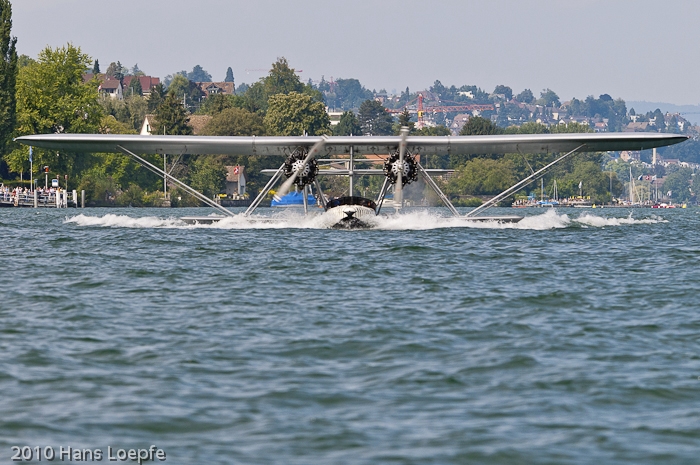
x=415 y=220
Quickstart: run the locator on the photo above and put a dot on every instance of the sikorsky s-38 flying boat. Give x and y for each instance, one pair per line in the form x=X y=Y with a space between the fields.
x=400 y=168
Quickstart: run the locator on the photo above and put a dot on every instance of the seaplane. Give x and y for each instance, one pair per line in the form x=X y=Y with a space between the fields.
x=301 y=168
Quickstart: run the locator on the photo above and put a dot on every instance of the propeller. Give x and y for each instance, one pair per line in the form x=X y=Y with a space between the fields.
x=398 y=187
x=318 y=146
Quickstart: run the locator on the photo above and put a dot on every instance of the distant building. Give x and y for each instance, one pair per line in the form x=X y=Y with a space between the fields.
x=147 y=83
x=559 y=113
x=601 y=127
x=458 y=122
x=235 y=181
x=630 y=155
x=334 y=116
x=196 y=122
x=112 y=88
x=637 y=127
x=147 y=125
x=214 y=88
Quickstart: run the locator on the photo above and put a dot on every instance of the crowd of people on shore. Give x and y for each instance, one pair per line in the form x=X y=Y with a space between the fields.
x=18 y=194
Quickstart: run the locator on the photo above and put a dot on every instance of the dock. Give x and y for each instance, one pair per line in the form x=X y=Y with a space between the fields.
x=36 y=200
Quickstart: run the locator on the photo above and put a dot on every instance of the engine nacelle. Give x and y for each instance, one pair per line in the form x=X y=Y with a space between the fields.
x=306 y=174
x=409 y=170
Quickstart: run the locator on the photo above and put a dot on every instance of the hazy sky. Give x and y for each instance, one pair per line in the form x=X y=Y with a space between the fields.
x=633 y=49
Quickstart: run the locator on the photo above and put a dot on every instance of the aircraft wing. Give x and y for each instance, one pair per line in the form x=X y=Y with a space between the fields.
x=200 y=145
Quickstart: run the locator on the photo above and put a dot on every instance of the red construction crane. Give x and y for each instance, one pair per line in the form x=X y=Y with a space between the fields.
x=420 y=109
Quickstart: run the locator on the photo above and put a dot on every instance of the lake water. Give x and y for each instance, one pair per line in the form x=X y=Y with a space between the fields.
x=572 y=337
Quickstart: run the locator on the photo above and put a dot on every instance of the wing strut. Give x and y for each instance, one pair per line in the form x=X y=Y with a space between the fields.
x=275 y=177
x=382 y=194
x=437 y=190
x=319 y=192
x=520 y=185
x=174 y=180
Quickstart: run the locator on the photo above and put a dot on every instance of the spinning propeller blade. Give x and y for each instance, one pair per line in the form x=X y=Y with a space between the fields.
x=398 y=187
x=318 y=146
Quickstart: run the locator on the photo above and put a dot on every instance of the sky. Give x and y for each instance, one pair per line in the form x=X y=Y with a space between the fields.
x=632 y=49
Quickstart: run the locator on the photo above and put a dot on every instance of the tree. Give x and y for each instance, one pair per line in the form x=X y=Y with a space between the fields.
x=156 y=97
x=116 y=70
x=482 y=176
x=595 y=182
x=135 y=86
x=138 y=108
x=198 y=74
x=348 y=125
x=229 y=75
x=433 y=131
x=242 y=88
x=678 y=183
x=568 y=128
x=24 y=60
x=478 y=126
x=8 y=75
x=282 y=79
x=349 y=94
x=110 y=125
x=405 y=120
x=208 y=176
x=504 y=90
x=548 y=98
x=135 y=71
x=52 y=98
x=525 y=96
x=172 y=118
x=296 y=114
x=219 y=102
x=181 y=87
x=374 y=119
x=235 y=122
x=96 y=67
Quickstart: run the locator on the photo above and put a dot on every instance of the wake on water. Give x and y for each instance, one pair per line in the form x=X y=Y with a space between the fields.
x=416 y=220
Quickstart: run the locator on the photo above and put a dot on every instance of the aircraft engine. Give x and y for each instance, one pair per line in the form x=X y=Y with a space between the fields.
x=306 y=174
x=392 y=167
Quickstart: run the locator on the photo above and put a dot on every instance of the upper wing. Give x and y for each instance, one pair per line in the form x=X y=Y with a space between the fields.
x=528 y=143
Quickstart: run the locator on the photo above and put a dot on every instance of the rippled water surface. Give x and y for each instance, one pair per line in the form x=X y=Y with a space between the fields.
x=570 y=338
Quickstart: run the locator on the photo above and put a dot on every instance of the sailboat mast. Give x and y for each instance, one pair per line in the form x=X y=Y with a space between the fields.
x=631 y=187
x=542 y=189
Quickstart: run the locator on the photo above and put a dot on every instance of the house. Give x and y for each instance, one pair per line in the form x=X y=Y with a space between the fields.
x=196 y=122
x=637 y=127
x=559 y=113
x=213 y=88
x=458 y=122
x=235 y=181
x=147 y=83
x=630 y=155
x=147 y=126
x=112 y=88
x=334 y=116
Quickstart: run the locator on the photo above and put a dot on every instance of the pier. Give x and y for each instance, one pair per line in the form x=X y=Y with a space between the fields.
x=35 y=199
